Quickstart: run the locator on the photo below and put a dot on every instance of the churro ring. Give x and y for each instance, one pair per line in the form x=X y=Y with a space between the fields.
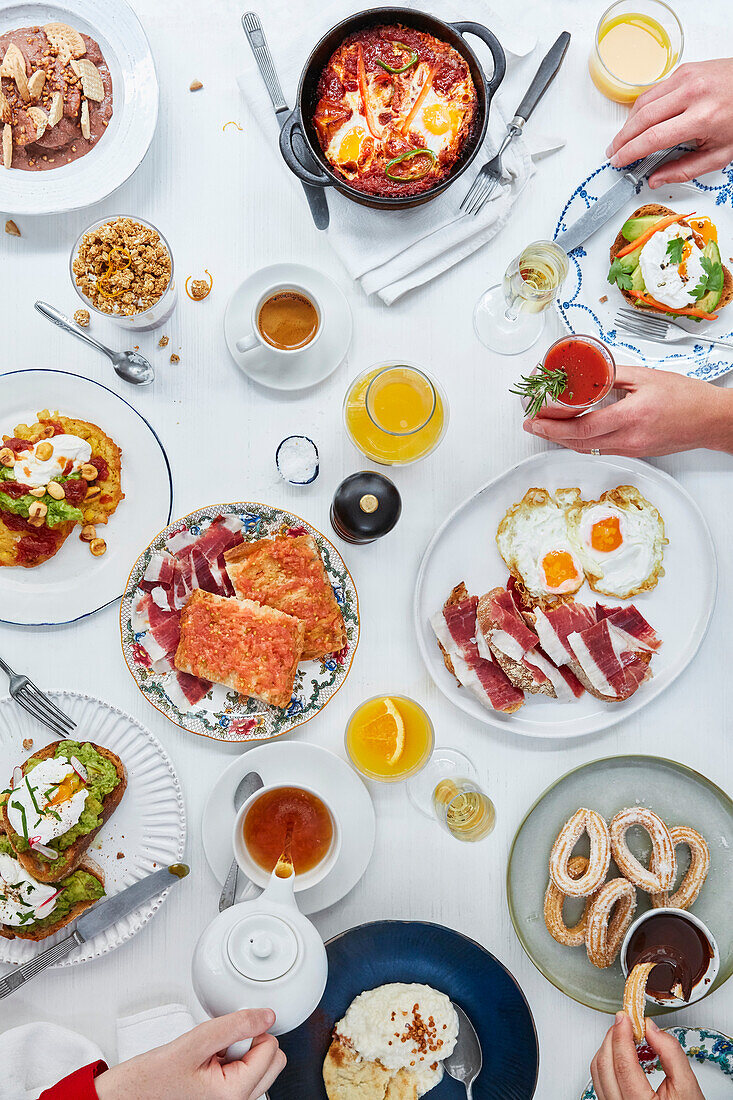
x=691 y=885
x=554 y=901
x=609 y=916
x=660 y=875
x=635 y=998
x=599 y=856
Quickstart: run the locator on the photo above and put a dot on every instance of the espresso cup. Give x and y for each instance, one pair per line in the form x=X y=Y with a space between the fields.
x=258 y=874
x=255 y=338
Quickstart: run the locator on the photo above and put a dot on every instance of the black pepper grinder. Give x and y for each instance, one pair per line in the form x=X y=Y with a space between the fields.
x=365 y=507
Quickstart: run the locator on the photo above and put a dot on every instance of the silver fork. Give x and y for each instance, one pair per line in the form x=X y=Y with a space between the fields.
x=489 y=177
x=661 y=329
x=37 y=704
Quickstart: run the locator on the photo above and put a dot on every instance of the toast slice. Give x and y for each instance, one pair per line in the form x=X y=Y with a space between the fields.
x=11 y=932
x=44 y=870
x=656 y=210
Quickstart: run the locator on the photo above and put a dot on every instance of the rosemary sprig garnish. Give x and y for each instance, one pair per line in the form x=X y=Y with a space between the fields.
x=540 y=388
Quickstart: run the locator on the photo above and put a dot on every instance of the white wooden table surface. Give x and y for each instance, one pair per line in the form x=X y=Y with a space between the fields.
x=225 y=203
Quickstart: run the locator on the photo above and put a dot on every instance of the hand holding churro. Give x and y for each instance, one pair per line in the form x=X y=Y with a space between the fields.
x=617 y=1074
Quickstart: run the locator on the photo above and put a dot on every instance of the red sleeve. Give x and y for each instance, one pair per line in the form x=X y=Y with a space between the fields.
x=77 y=1086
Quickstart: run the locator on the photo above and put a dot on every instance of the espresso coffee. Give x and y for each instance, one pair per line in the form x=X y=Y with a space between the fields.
x=287 y=320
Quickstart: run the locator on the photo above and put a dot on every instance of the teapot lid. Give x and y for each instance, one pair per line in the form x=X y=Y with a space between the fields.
x=262 y=947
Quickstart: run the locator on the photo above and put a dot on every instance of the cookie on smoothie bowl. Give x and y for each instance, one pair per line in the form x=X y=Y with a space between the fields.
x=55 y=96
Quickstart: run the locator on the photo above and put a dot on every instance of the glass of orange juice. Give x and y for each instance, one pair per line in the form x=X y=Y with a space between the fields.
x=395 y=413
x=389 y=738
x=637 y=44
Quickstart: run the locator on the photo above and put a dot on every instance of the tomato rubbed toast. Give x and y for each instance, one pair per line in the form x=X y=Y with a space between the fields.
x=252 y=649
x=288 y=574
x=98 y=809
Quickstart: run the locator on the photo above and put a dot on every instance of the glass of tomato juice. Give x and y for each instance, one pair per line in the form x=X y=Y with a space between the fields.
x=590 y=370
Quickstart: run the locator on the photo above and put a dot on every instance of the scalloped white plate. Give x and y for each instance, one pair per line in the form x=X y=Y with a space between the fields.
x=120 y=151
x=148 y=827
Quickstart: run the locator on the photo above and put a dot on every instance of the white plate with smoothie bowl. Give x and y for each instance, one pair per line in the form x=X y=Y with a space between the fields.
x=82 y=92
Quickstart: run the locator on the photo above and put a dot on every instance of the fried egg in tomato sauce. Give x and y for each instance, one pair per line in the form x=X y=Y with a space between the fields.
x=367 y=116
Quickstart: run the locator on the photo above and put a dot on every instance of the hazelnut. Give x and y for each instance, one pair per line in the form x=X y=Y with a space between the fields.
x=44 y=451
x=37 y=522
x=39 y=492
x=37 y=510
x=89 y=472
x=88 y=532
x=56 y=490
x=98 y=547
x=7 y=456
x=48 y=431
x=92 y=492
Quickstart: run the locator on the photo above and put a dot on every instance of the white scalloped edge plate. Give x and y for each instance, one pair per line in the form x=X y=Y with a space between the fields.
x=148 y=827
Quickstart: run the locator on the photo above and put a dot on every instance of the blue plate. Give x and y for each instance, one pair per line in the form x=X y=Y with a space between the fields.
x=581 y=305
x=412 y=951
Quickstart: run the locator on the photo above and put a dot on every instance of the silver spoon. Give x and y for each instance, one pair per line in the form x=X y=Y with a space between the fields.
x=464 y=1064
x=129 y=365
x=248 y=784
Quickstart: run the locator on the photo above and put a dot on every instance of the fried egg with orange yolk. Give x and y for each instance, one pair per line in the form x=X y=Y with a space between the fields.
x=619 y=539
x=437 y=123
x=533 y=541
x=352 y=142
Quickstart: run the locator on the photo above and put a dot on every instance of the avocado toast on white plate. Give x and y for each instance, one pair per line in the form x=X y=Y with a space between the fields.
x=669 y=263
x=57 y=802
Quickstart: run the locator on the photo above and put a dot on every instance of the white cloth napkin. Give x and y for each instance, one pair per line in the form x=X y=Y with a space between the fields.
x=146 y=1030
x=390 y=252
x=36 y=1056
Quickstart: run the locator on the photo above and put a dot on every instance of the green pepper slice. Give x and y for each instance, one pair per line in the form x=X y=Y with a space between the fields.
x=413 y=58
x=408 y=156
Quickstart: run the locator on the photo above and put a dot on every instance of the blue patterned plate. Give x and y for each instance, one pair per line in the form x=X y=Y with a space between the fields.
x=711 y=1056
x=412 y=951
x=581 y=306
x=224 y=714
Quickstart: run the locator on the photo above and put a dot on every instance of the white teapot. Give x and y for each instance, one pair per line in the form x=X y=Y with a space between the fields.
x=261 y=954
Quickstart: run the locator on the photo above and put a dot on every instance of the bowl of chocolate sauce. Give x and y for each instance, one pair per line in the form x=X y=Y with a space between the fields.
x=684 y=949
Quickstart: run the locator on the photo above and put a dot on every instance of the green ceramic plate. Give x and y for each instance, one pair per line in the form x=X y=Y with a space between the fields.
x=681 y=797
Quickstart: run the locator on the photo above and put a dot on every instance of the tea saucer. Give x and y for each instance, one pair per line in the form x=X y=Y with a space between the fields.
x=324 y=773
x=312 y=365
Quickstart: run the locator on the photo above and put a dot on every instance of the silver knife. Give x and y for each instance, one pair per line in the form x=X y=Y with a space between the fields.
x=256 y=37
x=101 y=916
x=610 y=203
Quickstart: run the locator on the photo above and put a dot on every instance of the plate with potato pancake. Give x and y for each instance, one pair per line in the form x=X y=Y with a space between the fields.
x=666 y=255
x=565 y=594
x=82 y=477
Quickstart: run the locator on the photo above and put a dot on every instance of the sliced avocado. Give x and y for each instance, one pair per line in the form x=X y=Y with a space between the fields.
x=637 y=280
x=712 y=298
x=630 y=261
x=634 y=227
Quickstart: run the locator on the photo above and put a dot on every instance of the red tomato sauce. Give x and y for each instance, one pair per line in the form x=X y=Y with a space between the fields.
x=590 y=371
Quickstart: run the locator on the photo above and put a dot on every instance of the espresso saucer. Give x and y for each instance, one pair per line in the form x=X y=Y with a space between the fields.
x=290 y=763
x=308 y=367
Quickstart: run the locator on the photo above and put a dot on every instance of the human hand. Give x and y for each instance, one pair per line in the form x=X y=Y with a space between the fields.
x=617 y=1074
x=191 y=1068
x=662 y=413
x=694 y=104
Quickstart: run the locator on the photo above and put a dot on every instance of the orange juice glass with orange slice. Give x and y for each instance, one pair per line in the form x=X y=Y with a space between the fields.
x=389 y=738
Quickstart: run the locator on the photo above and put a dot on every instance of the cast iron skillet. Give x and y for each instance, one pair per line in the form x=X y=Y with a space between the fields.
x=299 y=126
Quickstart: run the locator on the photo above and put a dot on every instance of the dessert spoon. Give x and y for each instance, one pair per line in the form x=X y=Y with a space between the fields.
x=248 y=784
x=464 y=1064
x=129 y=365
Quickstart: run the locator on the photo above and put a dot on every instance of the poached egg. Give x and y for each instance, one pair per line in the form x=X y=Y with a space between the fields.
x=48 y=801
x=672 y=284
x=22 y=899
x=31 y=470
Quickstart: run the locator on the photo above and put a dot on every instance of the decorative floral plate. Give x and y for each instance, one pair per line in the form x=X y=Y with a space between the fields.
x=581 y=303
x=710 y=1053
x=223 y=714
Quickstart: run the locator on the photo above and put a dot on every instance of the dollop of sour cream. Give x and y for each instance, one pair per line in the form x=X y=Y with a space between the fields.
x=412 y=1027
x=22 y=899
x=47 y=802
x=31 y=470
x=662 y=278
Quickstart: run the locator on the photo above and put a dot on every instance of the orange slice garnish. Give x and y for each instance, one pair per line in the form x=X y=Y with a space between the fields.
x=388 y=731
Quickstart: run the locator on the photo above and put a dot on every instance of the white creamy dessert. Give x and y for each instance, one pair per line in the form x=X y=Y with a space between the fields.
x=411 y=1027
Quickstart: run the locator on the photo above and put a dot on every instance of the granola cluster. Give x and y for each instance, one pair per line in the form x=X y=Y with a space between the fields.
x=122 y=267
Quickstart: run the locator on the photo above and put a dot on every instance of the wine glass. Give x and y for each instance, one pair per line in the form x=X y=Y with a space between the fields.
x=447 y=789
x=510 y=316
